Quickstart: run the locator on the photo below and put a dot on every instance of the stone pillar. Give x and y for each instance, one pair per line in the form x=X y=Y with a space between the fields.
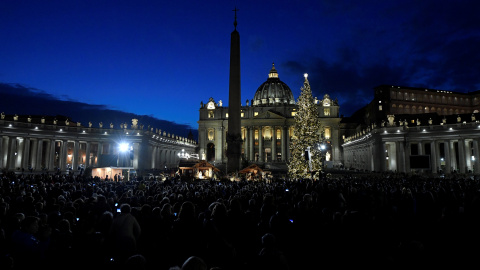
x=476 y=163
x=76 y=159
x=87 y=154
x=400 y=151
x=434 y=156
x=100 y=148
x=11 y=157
x=63 y=155
x=461 y=156
x=407 y=156
x=283 y=143
x=2 y=153
x=252 y=143
x=246 y=143
x=287 y=148
x=448 y=164
x=51 y=155
x=221 y=144
x=420 y=148
x=274 y=144
x=26 y=153
x=38 y=162
x=33 y=156
x=260 y=144
x=468 y=156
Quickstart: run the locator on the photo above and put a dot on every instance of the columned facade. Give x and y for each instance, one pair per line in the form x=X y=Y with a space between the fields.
x=266 y=126
x=44 y=147
x=443 y=148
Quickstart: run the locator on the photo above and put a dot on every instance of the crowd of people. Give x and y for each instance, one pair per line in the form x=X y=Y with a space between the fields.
x=391 y=221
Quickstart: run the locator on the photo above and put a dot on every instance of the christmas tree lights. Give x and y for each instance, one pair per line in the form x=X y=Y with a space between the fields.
x=305 y=160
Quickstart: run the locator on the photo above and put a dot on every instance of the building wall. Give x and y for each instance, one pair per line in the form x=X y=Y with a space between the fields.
x=451 y=145
x=36 y=146
x=258 y=125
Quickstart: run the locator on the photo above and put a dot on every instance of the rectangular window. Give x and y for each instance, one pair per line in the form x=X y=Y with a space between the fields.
x=380 y=107
x=242 y=114
x=210 y=114
x=255 y=113
x=327 y=133
x=294 y=113
x=326 y=111
x=226 y=115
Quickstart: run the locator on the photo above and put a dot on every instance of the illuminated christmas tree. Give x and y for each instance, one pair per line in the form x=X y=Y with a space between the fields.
x=305 y=160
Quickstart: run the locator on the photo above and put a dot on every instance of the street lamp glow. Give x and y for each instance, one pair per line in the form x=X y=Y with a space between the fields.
x=123 y=147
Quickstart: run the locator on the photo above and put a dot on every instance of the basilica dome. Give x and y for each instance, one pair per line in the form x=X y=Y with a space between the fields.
x=273 y=92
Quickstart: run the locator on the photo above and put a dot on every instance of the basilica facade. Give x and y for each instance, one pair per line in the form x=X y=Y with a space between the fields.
x=267 y=122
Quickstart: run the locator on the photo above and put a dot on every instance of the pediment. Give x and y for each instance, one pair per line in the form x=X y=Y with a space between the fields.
x=269 y=115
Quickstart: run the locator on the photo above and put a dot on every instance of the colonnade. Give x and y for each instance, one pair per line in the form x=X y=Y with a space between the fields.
x=54 y=149
x=449 y=148
x=446 y=155
x=259 y=147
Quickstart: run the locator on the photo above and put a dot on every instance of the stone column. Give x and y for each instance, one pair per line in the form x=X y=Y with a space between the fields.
x=448 y=164
x=260 y=144
x=400 y=156
x=51 y=155
x=461 y=155
x=26 y=153
x=246 y=147
x=433 y=156
x=407 y=156
x=11 y=157
x=287 y=148
x=251 y=143
x=283 y=143
x=218 y=145
x=2 y=153
x=63 y=155
x=100 y=148
x=38 y=162
x=274 y=144
x=75 y=160
x=87 y=154
x=476 y=163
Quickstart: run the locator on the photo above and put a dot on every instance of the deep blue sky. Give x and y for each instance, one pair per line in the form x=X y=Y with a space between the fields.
x=162 y=58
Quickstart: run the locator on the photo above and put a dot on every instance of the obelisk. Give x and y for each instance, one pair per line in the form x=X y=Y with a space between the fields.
x=234 y=139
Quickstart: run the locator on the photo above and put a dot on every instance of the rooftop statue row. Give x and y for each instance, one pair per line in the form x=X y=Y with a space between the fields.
x=49 y=120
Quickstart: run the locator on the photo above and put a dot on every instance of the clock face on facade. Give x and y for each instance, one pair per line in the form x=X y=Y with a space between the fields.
x=211 y=105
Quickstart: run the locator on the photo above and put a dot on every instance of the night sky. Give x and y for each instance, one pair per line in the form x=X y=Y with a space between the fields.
x=162 y=58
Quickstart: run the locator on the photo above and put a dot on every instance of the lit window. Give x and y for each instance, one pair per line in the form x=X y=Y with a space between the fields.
x=327 y=133
x=211 y=134
x=255 y=113
x=242 y=114
x=294 y=113
x=326 y=111
x=210 y=114
x=380 y=107
x=226 y=115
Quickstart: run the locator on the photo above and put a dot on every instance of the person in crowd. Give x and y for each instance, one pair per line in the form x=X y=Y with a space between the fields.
x=374 y=220
x=124 y=234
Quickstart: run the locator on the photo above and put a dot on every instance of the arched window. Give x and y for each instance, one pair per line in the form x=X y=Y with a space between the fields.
x=211 y=134
x=327 y=133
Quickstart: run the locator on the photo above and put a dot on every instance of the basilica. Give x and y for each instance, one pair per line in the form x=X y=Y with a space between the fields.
x=267 y=122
